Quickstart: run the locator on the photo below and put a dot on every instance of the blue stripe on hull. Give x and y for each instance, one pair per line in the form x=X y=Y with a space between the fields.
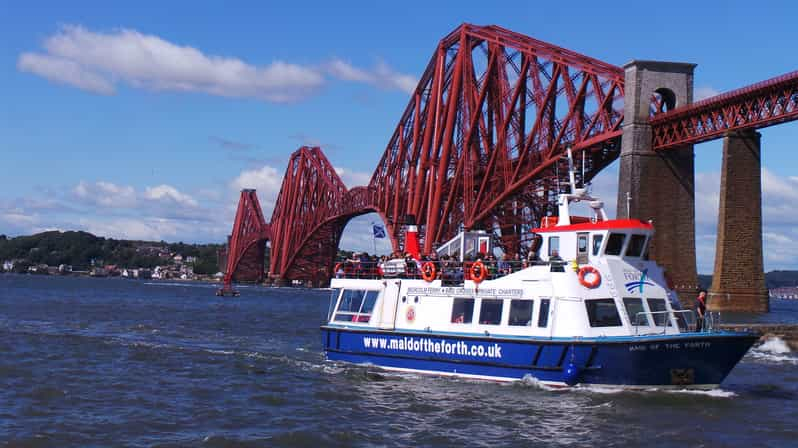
x=689 y=359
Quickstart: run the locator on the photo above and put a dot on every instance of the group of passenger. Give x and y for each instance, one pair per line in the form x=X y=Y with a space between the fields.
x=447 y=268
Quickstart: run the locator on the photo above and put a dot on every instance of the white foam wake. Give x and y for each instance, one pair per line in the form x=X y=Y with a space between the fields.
x=774 y=345
x=774 y=350
x=607 y=389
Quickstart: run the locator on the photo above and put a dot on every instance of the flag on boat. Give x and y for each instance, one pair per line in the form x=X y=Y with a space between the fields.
x=379 y=231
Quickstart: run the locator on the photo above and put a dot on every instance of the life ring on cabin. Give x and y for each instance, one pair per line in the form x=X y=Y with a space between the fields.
x=337 y=267
x=428 y=271
x=590 y=284
x=478 y=272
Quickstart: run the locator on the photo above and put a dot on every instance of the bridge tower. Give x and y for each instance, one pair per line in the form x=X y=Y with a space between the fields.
x=659 y=185
x=738 y=283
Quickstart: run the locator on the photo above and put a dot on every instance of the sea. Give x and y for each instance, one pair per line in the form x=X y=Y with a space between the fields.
x=113 y=362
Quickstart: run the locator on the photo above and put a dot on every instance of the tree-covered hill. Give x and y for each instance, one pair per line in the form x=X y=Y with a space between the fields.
x=79 y=249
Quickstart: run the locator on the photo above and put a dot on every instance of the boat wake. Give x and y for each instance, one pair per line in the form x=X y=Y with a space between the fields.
x=775 y=351
x=714 y=393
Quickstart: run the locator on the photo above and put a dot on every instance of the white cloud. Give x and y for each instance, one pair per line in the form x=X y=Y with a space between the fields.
x=704 y=92
x=353 y=178
x=17 y=218
x=382 y=75
x=65 y=71
x=98 y=61
x=95 y=61
x=266 y=181
x=105 y=194
x=133 y=228
x=169 y=193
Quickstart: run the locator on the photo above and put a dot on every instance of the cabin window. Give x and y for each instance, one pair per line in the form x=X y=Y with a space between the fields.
x=356 y=305
x=636 y=245
x=462 y=311
x=635 y=311
x=615 y=243
x=554 y=245
x=368 y=304
x=659 y=312
x=543 y=313
x=597 y=239
x=490 y=312
x=521 y=313
x=602 y=313
x=334 y=294
x=581 y=244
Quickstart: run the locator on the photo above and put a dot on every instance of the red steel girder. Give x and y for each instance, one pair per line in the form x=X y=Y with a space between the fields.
x=479 y=145
x=311 y=211
x=249 y=230
x=489 y=121
x=757 y=106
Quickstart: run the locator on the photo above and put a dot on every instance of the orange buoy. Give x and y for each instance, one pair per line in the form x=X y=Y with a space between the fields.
x=428 y=271
x=590 y=284
x=478 y=272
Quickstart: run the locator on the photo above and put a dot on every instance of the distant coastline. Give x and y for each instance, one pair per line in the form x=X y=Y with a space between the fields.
x=81 y=253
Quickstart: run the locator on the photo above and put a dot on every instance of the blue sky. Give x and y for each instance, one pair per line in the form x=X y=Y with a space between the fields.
x=100 y=136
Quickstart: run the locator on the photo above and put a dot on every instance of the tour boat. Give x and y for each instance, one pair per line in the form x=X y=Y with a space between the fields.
x=591 y=310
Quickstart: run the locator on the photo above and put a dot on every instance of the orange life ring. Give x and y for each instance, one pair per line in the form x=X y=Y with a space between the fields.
x=336 y=268
x=428 y=271
x=478 y=272
x=589 y=283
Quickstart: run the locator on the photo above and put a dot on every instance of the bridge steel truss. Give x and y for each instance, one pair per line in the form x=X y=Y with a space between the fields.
x=480 y=145
x=246 y=246
x=480 y=140
x=757 y=106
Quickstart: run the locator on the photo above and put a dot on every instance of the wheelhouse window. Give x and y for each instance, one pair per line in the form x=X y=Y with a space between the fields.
x=543 y=313
x=554 y=245
x=521 y=313
x=602 y=313
x=597 y=239
x=462 y=311
x=581 y=244
x=635 y=311
x=490 y=311
x=334 y=294
x=636 y=245
x=615 y=244
x=659 y=312
x=356 y=305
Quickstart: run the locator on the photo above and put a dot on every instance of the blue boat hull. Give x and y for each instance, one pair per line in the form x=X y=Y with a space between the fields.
x=685 y=360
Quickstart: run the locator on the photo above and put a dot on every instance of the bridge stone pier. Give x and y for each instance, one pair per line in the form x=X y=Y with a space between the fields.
x=659 y=185
x=738 y=283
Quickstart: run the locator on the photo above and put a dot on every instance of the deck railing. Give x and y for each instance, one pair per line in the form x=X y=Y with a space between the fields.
x=685 y=319
x=449 y=271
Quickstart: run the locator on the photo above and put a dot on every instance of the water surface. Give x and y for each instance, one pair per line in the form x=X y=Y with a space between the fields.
x=114 y=362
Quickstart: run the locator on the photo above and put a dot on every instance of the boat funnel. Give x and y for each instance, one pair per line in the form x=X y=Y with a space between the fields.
x=411 y=237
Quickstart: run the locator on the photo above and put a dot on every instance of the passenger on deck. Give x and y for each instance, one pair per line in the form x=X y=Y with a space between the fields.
x=515 y=265
x=557 y=263
x=411 y=266
x=700 y=309
x=394 y=267
x=504 y=265
x=491 y=266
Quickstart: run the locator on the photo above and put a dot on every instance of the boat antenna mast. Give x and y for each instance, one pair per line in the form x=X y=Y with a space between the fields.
x=577 y=195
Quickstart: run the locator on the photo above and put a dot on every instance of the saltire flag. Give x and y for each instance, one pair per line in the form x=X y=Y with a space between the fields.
x=379 y=231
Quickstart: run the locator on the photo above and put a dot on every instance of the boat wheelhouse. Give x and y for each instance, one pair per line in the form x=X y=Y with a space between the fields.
x=590 y=308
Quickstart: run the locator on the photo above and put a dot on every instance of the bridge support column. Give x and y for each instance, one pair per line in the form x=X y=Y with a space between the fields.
x=659 y=186
x=738 y=283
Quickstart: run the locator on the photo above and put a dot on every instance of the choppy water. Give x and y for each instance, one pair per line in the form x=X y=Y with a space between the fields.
x=111 y=362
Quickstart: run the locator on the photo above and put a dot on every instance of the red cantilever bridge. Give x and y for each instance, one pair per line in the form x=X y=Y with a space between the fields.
x=480 y=145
